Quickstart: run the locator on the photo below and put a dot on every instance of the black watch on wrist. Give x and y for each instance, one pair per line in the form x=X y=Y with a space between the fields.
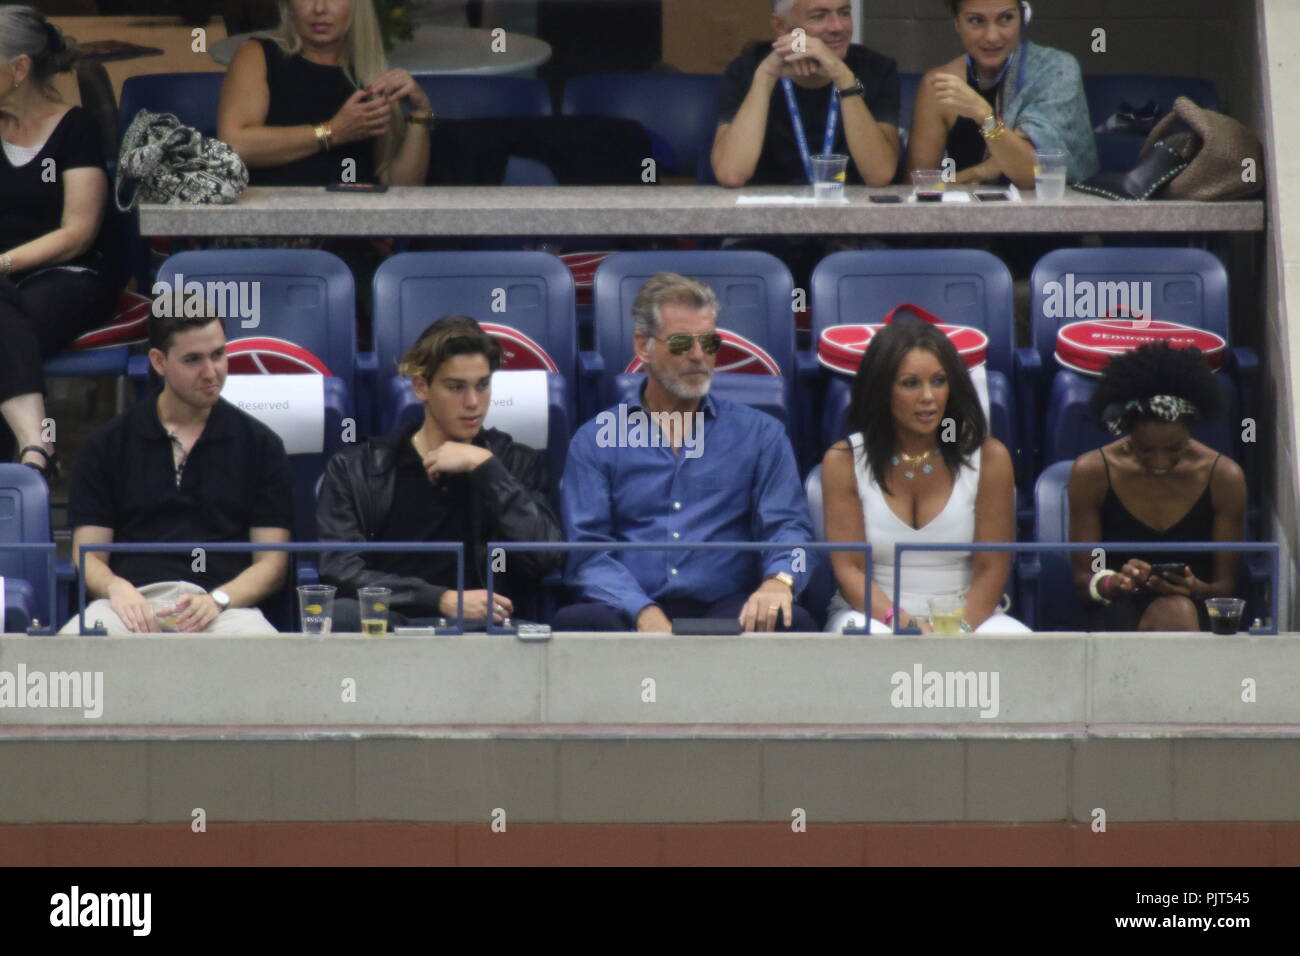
x=857 y=89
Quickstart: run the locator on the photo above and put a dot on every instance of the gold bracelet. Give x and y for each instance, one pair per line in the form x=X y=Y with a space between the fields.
x=322 y=131
x=997 y=133
x=424 y=118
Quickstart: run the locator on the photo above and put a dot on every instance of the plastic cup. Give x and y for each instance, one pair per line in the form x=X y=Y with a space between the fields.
x=316 y=605
x=164 y=612
x=1225 y=614
x=829 y=173
x=946 y=615
x=1049 y=174
x=374 y=610
x=928 y=185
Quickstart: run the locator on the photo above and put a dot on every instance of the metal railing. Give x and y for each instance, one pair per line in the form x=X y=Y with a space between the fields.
x=50 y=550
x=314 y=547
x=494 y=547
x=1056 y=547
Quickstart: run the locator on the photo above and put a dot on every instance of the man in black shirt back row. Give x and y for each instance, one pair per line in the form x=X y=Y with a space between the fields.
x=756 y=139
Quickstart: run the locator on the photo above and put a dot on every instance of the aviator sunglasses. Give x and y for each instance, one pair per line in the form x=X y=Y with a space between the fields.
x=680 y=343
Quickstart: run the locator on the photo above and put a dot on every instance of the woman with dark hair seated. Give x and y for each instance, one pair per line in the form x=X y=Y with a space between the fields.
x=919 y=467
x=1004 y=98
x=1155 y=483
x=55 y=281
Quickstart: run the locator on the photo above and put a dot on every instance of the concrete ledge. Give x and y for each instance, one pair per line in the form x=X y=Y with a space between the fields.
x=576 y=685
x=669 y=211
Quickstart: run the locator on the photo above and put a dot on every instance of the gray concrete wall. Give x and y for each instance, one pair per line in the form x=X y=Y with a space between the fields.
x=1279 y=68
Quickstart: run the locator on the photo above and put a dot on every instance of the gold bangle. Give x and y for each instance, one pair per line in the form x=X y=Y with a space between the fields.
x=422 y=119
x=997 y=132
x=322 y=131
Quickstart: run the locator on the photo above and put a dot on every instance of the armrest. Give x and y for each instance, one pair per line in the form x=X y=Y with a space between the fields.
x=806 y=365
x=65 y=590
x=308 y=573
x=366 y=369
x=1030 y=567
x=1029 y=390
x=591 y=372
x=1258 y=571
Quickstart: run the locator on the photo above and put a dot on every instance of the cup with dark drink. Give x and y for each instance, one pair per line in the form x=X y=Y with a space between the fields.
x=928 y=185
x=1225 y=614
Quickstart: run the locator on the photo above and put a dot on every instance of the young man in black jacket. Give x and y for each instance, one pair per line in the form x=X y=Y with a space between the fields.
x=447 y=479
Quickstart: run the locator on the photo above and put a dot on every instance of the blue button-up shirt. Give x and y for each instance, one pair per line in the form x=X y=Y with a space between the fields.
x=742 y=486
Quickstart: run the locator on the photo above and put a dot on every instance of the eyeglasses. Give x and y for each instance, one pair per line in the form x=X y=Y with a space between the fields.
x=681 y=343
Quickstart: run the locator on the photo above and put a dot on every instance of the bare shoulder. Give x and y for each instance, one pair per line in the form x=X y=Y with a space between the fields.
x=1088 y=474
x=837 y=464
x=249 y=57
x=1229 y=477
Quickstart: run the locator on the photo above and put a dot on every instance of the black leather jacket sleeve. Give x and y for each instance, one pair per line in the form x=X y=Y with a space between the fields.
x=514 y=504
x=343 y=513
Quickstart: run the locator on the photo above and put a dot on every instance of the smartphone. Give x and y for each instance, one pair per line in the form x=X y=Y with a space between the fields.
x=885 y=198
x=1167 y=568
x=992 y=197
x=356 y=188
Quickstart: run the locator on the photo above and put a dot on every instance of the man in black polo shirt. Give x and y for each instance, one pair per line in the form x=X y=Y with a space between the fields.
x=446 y=479
x=182 y=466
x=845 y=96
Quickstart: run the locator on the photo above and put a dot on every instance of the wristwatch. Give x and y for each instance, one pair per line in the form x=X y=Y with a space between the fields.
x=989 y=124
x=221 y=598
x=857 y=89
x=784 y=578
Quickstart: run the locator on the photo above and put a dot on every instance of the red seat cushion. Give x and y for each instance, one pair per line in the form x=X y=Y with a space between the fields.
x=266 y=355
x=519 y=353
x=1089 y=346
x=130 y=325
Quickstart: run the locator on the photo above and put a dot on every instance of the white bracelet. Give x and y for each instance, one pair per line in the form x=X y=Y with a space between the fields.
x=6 y=263
x=1096 y=580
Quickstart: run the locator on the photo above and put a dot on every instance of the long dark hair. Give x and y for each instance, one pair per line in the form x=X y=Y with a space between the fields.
x=873 y=389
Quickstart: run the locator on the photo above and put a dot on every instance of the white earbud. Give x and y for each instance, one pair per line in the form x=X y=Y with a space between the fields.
x=1027 y=12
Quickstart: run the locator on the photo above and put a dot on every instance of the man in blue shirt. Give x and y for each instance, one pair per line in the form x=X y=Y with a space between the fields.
x=683 y=466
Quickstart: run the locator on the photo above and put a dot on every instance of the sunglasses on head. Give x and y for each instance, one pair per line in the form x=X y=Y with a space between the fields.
x=680 y=343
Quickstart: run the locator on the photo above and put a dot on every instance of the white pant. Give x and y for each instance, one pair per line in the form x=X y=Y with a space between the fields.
x=237 y=620
x=998 y=623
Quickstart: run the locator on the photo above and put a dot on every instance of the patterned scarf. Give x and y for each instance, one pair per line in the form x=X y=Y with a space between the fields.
x=1119 y=416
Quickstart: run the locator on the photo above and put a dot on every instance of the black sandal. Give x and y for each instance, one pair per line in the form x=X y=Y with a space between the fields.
x=50 y=470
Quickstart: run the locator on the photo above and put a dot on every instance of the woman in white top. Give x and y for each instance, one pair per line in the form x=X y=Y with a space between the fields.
x=920 y=466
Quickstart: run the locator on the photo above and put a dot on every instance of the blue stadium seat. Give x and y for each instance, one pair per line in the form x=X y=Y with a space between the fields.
x=821 y=585
x=908 y=85
x=306 y=297
x=529 y=292
x=1187 y=285
x=308 y=466
x=191 y=97
x=1047 y=598
x=962 y=286
x=483 y=97
x=25 y=519
x=754 y=291
x=1119 y=151
x=679 y=109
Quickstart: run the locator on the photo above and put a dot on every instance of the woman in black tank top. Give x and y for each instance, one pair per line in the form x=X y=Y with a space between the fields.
x=316 y=103
x=1159 y=485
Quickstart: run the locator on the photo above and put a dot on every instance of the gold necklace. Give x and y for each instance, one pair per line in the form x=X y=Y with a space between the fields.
x=912 y=460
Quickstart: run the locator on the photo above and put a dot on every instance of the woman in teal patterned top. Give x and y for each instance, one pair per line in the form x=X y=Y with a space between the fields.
x=1006 y=97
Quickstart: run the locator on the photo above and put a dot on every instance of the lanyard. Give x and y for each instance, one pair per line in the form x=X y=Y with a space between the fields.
x=832 y=121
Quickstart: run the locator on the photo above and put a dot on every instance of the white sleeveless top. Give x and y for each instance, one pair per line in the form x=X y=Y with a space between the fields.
x=926 y=574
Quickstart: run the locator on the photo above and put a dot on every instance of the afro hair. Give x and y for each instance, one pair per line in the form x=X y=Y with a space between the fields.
x=1159 y=369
